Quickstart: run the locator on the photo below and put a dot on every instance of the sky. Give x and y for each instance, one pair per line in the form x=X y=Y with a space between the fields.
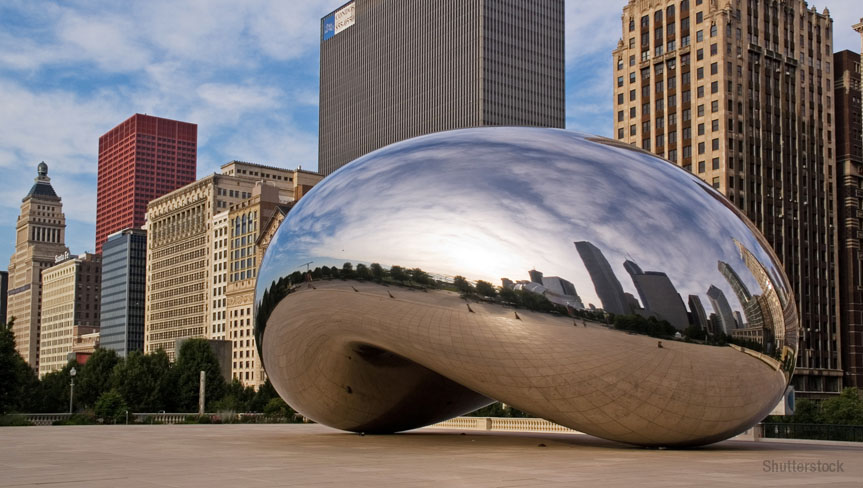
x=245 y=72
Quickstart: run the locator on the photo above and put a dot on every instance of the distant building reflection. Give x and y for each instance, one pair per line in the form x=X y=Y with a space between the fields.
x=725 y=318
x=698 y=315
x=605 y=283
x=658 y=294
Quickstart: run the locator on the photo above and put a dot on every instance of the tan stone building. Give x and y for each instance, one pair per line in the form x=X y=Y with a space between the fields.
x=184 y=288
x=247 y=219
x=71 y=291
x=39 y=239
x=740 y=93
x=221 y=231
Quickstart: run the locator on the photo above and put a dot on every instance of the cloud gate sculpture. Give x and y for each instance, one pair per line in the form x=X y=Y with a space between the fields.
x=576 y=278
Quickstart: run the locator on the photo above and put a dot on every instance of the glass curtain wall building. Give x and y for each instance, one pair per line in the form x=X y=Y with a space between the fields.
x=123 y=287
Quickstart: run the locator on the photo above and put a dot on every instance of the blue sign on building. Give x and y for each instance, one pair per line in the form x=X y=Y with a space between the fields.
x=329 y=26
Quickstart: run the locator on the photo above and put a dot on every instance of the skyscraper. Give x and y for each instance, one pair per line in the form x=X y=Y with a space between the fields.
x=39 y=238
x=124 y=265
x=605 y=283
x=70 y=308
x=723 y=310
x=741 y=94
x=141 y=159
x=699 y=316
x=849 y=166
x=658 y=295
x=395 y=69
x=4 y=289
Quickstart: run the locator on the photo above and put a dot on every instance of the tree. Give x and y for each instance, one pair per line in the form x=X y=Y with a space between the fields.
x=846 y=409
x=420 y=277
x=238 y=398
x=486 y=289
x=277 y=407
x=462 y=284
x=377 y=271
x=145 y=381
x=347 y=271
x=54 y=390
x=94 y=377
x=110 y=407
x=18 y=382
x=509 y=295
x=399 y=274
x=363 y=272
x=805 y=412
x=265 y=393
x=196 y=355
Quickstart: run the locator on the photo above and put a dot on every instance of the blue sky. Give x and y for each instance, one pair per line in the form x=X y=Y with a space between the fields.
x=245 y=72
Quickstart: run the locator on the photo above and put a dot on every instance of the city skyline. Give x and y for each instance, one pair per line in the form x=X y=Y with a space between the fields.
x=248 y=76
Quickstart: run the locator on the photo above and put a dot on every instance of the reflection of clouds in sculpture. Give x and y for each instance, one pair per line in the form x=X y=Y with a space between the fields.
x=508 y=220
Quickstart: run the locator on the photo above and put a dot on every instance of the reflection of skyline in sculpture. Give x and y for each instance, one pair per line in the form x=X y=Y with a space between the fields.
x=751 y=308
x=725 y=317
x=556 y=289
x=658 y=295
x=535 y=276
x=607 y=286
x=699 y=316
x=774 y=307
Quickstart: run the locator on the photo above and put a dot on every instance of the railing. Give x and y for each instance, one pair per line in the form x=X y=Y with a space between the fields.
x=504 y=424
x=44 y=418
x=848 y=433
x=166 y=418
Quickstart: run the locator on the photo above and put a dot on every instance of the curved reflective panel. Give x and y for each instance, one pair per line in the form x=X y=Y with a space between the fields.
x=575 y=278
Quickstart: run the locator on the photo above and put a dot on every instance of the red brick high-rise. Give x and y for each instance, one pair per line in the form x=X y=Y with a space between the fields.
x=140 y=160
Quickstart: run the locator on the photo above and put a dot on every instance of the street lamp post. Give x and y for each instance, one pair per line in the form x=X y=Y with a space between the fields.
x=72 y=374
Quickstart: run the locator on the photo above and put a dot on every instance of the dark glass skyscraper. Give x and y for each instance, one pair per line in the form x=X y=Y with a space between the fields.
x=123 y=287
x=395 y=69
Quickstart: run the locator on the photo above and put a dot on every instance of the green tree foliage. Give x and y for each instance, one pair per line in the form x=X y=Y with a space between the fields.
x=640 y=325
x=145 y=381
x=55 y=390
x=277 y=407
x=363 y=272
x=18 y=383
x=94 y=377
x=111 y=407
x=508 y=295
x=196 y=355
x=695 y=332
x=805 y=412
x=377 y=271
x=238 y=398
x=399 y=274
x=347 y=271
x=486 y=289
x=420 y=277
x=534 y=301
x=846 y=409
x=462 y=284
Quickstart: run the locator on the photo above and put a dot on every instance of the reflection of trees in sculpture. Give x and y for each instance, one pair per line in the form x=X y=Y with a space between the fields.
x=650 y=326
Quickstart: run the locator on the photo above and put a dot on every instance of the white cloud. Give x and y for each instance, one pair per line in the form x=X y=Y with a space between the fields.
x=591 y=28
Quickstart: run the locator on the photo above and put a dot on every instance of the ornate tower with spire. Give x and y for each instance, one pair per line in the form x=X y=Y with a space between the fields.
x=39 y=243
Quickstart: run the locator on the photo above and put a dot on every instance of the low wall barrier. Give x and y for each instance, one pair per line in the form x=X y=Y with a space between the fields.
x=504 y=424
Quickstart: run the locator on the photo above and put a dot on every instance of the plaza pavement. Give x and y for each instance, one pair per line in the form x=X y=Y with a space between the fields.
x=248 y=455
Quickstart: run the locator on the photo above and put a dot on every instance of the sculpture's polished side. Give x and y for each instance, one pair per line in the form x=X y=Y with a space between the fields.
x=485 y=264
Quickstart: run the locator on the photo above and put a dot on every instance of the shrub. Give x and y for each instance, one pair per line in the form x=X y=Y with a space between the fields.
x=111 y=408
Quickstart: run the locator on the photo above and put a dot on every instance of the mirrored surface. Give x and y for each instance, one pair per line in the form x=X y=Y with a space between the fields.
x=573 y=277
